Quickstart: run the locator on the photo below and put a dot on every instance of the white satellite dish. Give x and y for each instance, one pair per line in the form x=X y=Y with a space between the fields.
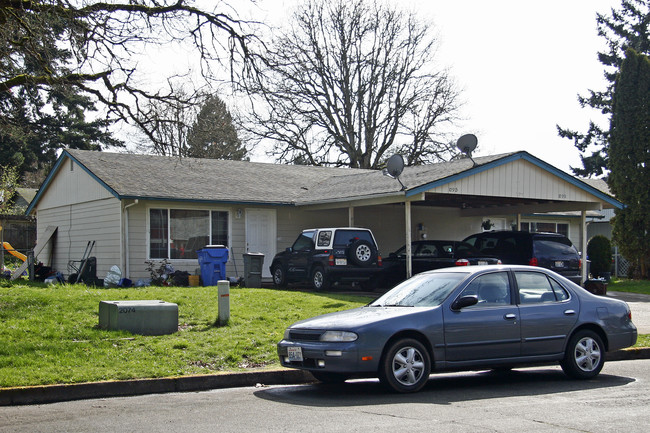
x=395 y=165
x=467 y=143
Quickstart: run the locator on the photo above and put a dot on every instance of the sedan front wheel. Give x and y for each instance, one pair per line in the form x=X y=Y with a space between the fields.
x=406 y=366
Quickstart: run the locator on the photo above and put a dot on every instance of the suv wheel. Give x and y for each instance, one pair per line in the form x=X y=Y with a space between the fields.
x=362 y=253
x=279 y=277
x=318 y=279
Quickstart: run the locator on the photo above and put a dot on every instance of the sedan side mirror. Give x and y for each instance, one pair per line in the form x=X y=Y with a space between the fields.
x=463 y=302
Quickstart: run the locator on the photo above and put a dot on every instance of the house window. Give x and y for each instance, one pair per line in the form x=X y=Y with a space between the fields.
x=219 y=228
x=534 y=227
x=179 y=233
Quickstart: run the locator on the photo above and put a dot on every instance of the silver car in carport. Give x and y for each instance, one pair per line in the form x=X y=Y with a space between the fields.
x=470 y=318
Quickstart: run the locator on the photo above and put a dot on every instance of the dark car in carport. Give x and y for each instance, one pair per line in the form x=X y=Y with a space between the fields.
x=430 y=254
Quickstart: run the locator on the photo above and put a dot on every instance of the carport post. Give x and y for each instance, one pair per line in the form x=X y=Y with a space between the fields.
x=350 y=216
x=409 y=264
x=583 y=239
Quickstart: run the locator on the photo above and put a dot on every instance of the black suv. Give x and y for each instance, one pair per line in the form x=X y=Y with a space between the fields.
x=548 y=250
x=322 y=257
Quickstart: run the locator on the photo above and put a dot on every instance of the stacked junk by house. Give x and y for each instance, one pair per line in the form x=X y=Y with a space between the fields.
x=211 y=259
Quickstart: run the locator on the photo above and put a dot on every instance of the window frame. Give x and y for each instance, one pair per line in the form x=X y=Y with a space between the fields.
x=168 y=210
x=529 y=225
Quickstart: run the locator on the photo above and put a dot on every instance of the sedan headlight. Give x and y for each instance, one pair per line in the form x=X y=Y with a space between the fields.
x=340 y=336
x=286 y=334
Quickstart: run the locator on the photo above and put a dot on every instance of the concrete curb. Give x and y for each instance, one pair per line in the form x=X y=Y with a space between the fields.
x=123 y=388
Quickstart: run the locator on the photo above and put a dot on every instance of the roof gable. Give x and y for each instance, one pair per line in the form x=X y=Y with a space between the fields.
x=130 y=176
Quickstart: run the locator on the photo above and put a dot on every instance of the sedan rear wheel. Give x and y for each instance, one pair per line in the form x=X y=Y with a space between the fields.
x=584 y=356
x=406 y=366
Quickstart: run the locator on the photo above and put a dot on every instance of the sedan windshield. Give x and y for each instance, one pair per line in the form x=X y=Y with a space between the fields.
x=423 y=290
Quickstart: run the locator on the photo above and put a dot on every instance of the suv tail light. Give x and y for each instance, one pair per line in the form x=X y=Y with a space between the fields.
x=379 y=262
x=331 y=260
x=462 y=262
x=579 y=263
x=533 y=261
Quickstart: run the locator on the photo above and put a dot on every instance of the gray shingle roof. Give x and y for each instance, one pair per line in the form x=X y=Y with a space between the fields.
x=171 y=178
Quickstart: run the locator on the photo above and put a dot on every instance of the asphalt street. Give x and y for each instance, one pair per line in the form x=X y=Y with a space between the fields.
x=526 y=400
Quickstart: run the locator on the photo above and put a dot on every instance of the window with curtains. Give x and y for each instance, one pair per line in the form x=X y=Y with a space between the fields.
x=179 y=233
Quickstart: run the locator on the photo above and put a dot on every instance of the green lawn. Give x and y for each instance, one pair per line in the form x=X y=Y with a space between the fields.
x=50 y=334
x=635 y=286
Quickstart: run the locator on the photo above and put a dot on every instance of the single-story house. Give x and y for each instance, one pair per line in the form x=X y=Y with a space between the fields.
x=142 y=207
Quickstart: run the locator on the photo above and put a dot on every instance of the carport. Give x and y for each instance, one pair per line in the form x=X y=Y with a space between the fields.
x=509 y=185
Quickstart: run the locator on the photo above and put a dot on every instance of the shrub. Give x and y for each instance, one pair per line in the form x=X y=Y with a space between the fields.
x=599 y=252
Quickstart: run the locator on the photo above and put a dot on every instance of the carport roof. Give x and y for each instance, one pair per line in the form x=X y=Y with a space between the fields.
x=132 y=176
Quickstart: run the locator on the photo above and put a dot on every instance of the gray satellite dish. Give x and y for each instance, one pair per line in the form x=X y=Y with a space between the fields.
x=467 y=143
x=395 y=165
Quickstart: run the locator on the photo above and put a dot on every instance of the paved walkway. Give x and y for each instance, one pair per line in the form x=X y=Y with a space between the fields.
x=640 y=306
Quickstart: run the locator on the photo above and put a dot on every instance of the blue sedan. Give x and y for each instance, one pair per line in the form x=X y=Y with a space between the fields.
x=470 y=318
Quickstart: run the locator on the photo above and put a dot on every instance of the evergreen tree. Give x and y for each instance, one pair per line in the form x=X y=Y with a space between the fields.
x=626 y=28
x=213 y=134
x=629 y=159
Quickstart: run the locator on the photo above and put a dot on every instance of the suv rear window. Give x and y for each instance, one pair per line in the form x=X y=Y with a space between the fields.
x=346 y=237
x=551 y=245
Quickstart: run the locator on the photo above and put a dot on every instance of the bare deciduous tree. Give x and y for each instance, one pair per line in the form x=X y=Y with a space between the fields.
x=349 y=84
x=93 y=47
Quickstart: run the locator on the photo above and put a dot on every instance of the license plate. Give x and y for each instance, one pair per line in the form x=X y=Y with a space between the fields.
x=294 y=354
x=341 y=262
x=559 y=264
x=482 y=262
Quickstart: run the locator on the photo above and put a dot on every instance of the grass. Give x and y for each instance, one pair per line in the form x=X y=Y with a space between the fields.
x=50 y=334
x=634 y=286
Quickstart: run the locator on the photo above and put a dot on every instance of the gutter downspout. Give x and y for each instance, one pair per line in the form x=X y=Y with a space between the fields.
x=126 y=239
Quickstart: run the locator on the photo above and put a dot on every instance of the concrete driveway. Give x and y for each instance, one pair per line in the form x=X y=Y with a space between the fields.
x=640 y=306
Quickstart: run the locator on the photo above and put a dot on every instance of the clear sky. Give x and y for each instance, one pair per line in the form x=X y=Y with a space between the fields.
x=521 y=65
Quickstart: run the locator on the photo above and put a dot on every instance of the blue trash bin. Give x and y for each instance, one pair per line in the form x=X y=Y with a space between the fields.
x=212 y=260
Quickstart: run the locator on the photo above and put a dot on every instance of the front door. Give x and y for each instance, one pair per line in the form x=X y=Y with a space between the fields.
x=261 y=235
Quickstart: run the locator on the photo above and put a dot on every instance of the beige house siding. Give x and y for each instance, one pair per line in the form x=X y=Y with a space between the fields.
x=516 y=179
x=97 y=220
x=72 y=185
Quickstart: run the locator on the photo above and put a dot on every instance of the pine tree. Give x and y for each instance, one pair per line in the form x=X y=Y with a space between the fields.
x=629 y=159
x=627 y=27
x=213 y=134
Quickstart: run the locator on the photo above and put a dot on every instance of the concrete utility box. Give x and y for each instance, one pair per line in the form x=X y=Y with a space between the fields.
x=139 y=317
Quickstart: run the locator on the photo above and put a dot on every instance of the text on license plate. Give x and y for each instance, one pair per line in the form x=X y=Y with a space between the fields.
x=482 y=262
x=294 y=354
x=341 y=262
x=559 y=264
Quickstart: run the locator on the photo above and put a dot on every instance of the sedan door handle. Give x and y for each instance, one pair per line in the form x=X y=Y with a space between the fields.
x=569 y=312
x=510 y=316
